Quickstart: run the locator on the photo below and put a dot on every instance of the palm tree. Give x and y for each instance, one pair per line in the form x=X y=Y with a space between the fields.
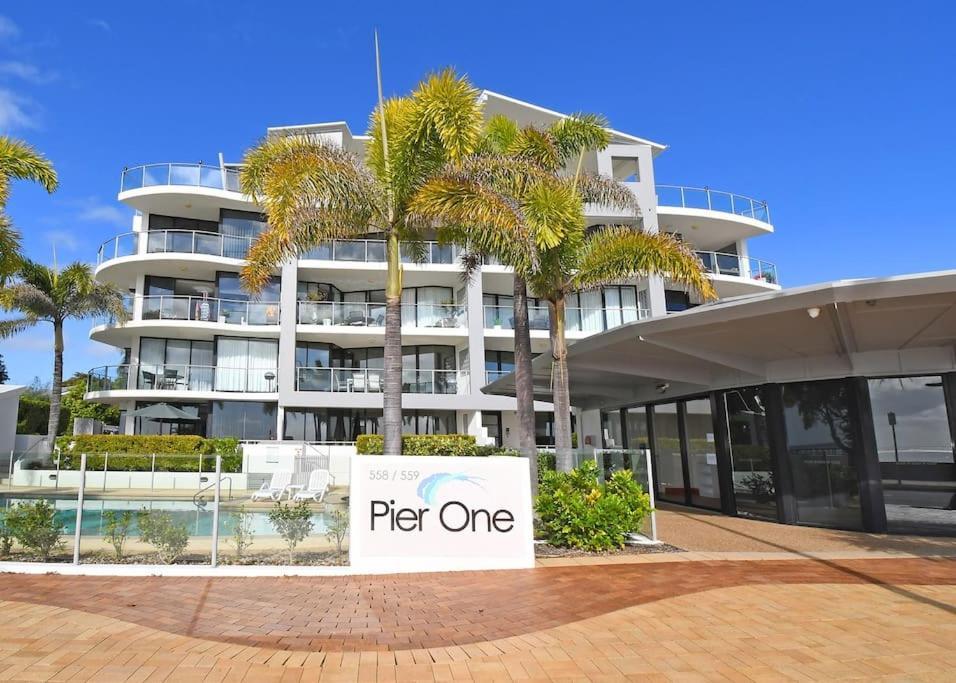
x=45 y=294
x=532 y=181
x=18 y=161
x=314 y=191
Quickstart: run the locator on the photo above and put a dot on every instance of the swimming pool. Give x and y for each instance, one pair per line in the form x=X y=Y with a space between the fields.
x=198 y=521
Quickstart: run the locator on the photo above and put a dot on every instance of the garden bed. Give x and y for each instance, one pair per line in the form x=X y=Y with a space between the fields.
x=548 y=550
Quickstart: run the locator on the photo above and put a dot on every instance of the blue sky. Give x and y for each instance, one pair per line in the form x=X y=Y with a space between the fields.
x=840 y=115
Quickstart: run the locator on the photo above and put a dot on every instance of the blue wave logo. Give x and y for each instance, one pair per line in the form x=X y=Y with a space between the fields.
x=428 y=489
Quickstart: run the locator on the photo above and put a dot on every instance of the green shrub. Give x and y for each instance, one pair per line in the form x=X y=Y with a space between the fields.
x=293 y=522
x=157 y=528
x=35 y=526
x=338 y=528
x=6 y=538
x=116 y=530
x=242 y=532
x=578 y=512
x=134 y=453
x=422 y=444
x=547 y=462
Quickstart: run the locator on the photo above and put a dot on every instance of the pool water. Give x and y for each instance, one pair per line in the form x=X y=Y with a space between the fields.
x=198 y=521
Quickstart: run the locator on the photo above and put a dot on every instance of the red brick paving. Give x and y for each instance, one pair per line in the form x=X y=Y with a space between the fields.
x=405 y=612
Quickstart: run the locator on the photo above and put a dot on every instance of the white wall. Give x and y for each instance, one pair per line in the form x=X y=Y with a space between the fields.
x=9 y=404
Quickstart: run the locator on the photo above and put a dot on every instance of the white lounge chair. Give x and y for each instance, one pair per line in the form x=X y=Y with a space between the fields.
x=318 y=486
x=275 y=488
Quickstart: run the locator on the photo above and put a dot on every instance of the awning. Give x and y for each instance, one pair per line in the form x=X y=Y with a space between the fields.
x=902 y=325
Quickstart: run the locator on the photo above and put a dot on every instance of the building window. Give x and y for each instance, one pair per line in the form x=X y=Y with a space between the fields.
x=611 y=430
x=636 y=424
x=676 y=300
x=915 y=450
x=175 y=364
x=701 y=454
x=754 y=480
x=544 y=428
x=245 y=420
x=345 y=425
x=821 y=453
x=491 y=422
x=192 y=427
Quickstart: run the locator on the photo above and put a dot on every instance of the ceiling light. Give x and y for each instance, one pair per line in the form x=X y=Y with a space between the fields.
x=814 y=312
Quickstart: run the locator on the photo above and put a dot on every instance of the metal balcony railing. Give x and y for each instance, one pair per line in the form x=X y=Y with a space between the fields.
x=358 y=314
x=576 y=319
x=174 y=242
x=182 y=377
x=199 y=309
x=719 y=263
x=713 y=200
x=188 y=175
x=366 y=380
x=373 y=251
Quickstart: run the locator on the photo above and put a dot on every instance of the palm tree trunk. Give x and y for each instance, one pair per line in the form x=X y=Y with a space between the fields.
x=560 y=388
x=392 y=380
x=524 y=382
x=57 y=388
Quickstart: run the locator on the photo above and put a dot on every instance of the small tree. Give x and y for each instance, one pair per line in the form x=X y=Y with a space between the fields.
x=159 y=530
x=294 y=524
x=338 y=528
x=76 y=406
x=116 y=530
x=35 y=526
x=4 y=375
x=242 y=532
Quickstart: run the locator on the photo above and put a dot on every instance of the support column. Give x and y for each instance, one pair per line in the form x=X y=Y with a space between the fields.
x=725 y=466
x=777 y=438
x=867 y=458
x=476 y=336
x=288 y=317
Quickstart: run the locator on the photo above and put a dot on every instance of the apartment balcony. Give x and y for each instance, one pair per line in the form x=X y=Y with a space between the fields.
x=373 y=251
x=579 y=322
x=494 y=375
x=178 y=381
x=182 y=189
x=370 y=381
x=735 y=275
x=167 y=252
x=202 y=317
x=364 y=323
x=710 y=219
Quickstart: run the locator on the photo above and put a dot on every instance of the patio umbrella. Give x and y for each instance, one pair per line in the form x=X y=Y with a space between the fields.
x=163 y=412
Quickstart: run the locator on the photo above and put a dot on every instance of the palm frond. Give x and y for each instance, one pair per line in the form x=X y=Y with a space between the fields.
x=30 y=300
x=21 y=161
x=445 y=105
x=9 y=328
x=498 y=135
x=10 y=245
x=537 y=146
x=578 y=133
x=618 y=253
x=553 y=210
x=604 y=191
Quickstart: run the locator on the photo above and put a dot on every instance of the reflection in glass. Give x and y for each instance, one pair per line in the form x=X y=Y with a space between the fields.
x=702 y=454
x=821 y=453
x=611 y=428
x=754 y=485
x=916 y=453
x=670 y=475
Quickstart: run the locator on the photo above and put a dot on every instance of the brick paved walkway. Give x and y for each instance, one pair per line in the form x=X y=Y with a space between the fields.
x=689 y=620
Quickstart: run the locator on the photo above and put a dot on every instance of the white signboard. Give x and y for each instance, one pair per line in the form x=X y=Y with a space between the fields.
x=437 y=513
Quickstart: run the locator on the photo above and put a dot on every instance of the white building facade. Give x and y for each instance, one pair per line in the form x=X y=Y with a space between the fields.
x=303 y=360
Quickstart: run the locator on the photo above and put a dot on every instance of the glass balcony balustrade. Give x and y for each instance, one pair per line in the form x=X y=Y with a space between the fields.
x=358 y=314
x=587 y=320
x=371 y=380
x=712 y=200
x=182 y=377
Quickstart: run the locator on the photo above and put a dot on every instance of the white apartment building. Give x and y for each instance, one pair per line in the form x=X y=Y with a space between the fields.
x=303 y=360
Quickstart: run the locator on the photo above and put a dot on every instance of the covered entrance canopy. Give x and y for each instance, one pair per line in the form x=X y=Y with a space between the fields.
x=886 y=326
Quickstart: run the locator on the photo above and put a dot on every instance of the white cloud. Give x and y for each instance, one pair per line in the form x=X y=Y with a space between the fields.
x=62 y=239
x=17 y=111
x=101 y=24
x=8 y=30
x=94 y=211
x=27 y=72
x=36 y=339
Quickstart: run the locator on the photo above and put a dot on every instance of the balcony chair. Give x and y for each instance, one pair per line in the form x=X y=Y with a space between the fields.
x=356 y=318
x=318 y=486
x=275 y=488
x=358 y=381
x=375 y=382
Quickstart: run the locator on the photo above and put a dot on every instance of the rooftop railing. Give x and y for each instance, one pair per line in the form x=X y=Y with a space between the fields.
x=359 y=314
x=373 y=251
x=182 y=377
x=713 y=200
x=371 y=381
x=719 y=263
x=187 y=175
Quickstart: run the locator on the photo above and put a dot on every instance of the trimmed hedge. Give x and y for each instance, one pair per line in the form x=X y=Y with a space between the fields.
x=421 y=444
x=133 y=453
